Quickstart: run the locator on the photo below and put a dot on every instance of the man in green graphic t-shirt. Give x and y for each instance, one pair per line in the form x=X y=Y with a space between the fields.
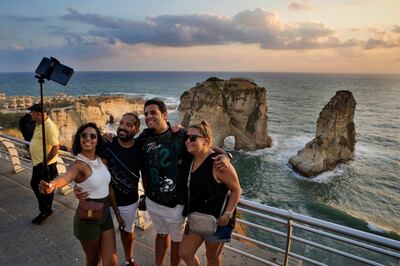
x=167 y=164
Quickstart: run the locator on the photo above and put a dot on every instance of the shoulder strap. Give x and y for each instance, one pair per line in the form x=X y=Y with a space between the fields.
x=188 y=189
x=116 y=157
x=188 y=183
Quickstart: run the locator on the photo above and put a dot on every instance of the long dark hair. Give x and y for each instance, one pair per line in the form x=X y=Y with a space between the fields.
x=76 y=145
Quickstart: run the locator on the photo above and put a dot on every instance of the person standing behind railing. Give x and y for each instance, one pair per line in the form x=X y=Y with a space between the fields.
x=27 y=126
x=36 y=152
x=209 y=188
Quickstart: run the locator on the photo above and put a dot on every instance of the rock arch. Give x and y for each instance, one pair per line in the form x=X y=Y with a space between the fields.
x=235 y=107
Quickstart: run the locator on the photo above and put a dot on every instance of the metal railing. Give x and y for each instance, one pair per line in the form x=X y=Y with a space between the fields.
x=273 y=236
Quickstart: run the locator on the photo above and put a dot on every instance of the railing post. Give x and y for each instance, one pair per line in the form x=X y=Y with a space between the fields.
x=288 y=238
x=61 y=170
x=13 y=152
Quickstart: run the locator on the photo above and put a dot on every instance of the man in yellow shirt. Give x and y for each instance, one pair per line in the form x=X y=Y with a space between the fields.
x=36 y=151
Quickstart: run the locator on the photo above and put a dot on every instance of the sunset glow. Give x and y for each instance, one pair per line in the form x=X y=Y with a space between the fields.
x=267 y=36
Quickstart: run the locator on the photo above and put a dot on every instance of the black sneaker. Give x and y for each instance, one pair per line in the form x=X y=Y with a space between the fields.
x=41 y=217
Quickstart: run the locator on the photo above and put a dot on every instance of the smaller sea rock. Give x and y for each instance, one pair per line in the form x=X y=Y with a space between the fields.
x=334 y=140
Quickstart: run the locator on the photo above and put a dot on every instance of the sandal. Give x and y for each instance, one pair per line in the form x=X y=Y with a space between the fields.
x=131 y=262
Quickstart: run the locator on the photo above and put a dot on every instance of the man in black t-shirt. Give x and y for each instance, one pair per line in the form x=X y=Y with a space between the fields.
x=125 y=159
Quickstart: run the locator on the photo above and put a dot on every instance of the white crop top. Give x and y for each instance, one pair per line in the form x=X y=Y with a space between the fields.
x=96 y=184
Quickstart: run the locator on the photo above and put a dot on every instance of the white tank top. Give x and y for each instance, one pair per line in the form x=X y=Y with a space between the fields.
x=96 y=184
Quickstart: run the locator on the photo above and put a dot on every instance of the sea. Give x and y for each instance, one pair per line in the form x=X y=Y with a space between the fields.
x=363 y=193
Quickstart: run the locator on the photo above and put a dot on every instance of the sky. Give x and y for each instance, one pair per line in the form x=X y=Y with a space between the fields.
x=341 y=36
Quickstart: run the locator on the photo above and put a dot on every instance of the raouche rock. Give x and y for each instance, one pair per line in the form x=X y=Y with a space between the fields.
x=96 y=109
x=334 y=140
x=235 y=107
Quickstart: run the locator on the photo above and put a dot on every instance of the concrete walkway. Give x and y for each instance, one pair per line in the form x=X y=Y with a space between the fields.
x=52 y=242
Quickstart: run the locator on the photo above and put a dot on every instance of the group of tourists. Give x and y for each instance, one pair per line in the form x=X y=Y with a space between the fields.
x=191 y=188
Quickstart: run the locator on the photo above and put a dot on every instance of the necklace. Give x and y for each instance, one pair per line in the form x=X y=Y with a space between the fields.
x=92 y=163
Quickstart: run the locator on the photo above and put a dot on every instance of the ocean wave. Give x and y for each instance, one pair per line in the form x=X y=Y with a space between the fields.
x=375 y=228
x=323 y=178
x=375 y=222
x=282 y=147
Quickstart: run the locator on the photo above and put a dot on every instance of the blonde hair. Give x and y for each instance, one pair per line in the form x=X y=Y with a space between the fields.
x=205 y=130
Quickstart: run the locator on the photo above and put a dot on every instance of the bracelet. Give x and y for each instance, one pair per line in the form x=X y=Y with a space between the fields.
x=229 y=214
x=229 y=155
x=51 y=185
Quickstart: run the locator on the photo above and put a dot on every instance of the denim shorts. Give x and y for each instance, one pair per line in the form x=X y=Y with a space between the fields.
x=222 y=235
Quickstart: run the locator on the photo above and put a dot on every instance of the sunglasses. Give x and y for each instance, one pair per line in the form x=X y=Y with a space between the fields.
x=193 y=138
x=91 y=135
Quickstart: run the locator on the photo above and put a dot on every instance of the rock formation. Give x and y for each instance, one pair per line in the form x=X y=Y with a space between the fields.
x=93 y=109
x=334 y=140
x=235 y=107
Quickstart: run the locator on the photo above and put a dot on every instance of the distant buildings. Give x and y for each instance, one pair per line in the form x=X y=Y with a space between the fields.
x=21 y=103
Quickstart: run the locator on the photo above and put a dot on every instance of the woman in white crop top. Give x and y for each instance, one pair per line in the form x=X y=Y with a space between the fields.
x=96 y=237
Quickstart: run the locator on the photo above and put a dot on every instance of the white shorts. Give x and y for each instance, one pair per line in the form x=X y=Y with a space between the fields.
x=128 y=214
x=167 y=220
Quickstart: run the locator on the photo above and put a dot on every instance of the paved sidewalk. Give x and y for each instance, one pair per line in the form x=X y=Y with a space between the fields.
x=52 y=242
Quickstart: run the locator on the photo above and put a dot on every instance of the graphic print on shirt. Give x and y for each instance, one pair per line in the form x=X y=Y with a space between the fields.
x=161 y=162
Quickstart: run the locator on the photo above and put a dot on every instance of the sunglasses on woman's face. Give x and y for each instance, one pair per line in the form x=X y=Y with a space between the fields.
x=86 y=135
x=193 y=138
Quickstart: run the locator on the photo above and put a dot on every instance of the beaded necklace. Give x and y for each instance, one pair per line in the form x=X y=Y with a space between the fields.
x=92 y=163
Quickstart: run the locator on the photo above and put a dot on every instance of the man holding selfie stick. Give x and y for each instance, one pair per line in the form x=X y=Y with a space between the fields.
x=39 y=160
x=44 y=147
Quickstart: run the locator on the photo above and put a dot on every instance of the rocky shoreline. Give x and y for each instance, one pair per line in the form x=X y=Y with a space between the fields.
x=69 y=112
x=236 y=107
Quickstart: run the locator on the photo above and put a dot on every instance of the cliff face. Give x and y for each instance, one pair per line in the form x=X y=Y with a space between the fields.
x=235 y=107
x=95 y=109
x=334 y=140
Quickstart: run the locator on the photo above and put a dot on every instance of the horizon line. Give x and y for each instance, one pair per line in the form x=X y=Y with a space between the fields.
x=222 y=71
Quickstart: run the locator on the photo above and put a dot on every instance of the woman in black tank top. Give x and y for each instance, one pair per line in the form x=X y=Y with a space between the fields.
x=208 y=188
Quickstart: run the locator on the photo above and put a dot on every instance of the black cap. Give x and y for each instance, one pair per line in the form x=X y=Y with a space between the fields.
x=37 y=107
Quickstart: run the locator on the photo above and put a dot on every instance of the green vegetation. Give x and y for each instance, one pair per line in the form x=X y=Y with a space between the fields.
x=214 y=79
x=10 y=120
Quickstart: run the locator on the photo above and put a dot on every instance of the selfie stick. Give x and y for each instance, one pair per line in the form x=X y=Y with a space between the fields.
x=45 y=170
x=50 y=69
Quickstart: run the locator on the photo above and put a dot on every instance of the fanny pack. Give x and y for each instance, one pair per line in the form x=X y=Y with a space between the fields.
x=90 y=210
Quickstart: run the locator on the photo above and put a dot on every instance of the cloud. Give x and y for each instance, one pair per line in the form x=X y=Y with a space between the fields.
x=299 y=6
x=383 y=39
x=107 y=37
x=23 y=19
x=17 y=57
x=258 y=26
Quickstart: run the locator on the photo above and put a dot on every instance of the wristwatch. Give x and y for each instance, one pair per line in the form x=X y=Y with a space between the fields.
x=229 y=155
